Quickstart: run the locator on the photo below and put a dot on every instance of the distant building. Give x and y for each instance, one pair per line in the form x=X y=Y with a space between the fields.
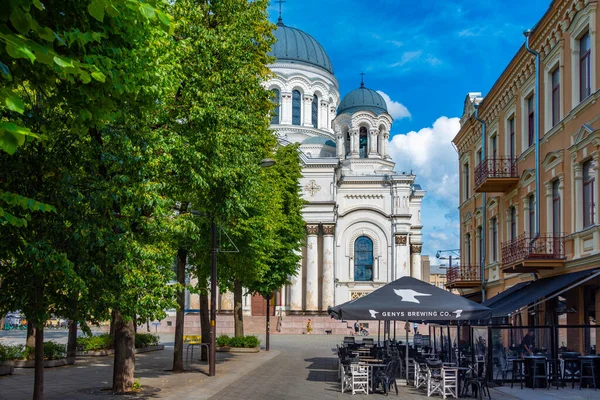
x=501 y=210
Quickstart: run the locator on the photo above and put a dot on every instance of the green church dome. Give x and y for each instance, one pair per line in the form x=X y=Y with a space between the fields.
x=362 y=99
x=295 y=46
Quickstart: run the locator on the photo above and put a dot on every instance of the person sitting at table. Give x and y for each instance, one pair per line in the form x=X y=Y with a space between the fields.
x=528 y=342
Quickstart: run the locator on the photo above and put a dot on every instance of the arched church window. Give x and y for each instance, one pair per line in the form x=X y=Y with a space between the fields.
x=296 y=107
x=363 y=259
x=347 y=143
x=315 y=111
x=363 y=141
x=276 y=100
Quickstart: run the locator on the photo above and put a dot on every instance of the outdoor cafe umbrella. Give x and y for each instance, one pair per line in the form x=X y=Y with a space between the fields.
x=409 y=299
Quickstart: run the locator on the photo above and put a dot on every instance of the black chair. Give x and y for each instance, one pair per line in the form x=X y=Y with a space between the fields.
x=538 y=372
x=518 y=372
x=387 y=377
x=588 y=372
x=571 y=368
x=554 y=373
x=349 y=339
x=476 y=379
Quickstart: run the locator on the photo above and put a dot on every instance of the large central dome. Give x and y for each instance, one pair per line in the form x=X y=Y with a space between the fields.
x=295 y=46
x=362 y=99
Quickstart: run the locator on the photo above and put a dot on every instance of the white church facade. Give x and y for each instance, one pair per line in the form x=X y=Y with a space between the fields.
x=363 y=226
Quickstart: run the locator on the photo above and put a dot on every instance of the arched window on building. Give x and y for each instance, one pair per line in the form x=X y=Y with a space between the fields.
x=363 y=141
x=363 y=259
x=347 y=143
x=315 y=111
x=296 y=107
x=277 y=101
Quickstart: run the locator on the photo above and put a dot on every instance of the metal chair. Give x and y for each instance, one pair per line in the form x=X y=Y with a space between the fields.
x=538 y=372
x=518 y=371
x=587 y=371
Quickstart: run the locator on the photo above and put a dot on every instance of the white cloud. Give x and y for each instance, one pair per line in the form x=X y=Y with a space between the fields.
x=395 y=109
x=407 y=57
x=429 y=153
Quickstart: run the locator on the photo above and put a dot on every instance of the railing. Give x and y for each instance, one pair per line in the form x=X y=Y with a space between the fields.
x=463 y=273
x=546 y=247
x=501 y=167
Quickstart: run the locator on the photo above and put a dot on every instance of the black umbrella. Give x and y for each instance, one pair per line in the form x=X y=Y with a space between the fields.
x=409 y=299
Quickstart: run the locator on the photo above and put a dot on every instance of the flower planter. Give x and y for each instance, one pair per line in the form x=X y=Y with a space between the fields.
x=110 y=352
x=238 y=349
x=6 y=369
x=47 y=363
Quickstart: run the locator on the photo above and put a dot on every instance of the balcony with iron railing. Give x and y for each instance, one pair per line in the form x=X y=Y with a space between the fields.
x=463 y=276
x=496 y=175
x=521 y=255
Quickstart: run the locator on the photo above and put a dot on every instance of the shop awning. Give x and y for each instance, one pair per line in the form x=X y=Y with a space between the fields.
x=529 y=293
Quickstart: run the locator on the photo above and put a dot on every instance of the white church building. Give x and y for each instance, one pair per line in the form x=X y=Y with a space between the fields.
x=363 y=219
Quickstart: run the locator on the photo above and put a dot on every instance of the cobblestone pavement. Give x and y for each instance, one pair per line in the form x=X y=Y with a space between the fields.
x=297 y=367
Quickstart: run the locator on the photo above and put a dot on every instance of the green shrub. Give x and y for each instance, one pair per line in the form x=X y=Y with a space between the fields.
x=12 y=352
x=238 y=341
x=54 y=351
x=223 y=341
x=97 y=342
x=146 y=340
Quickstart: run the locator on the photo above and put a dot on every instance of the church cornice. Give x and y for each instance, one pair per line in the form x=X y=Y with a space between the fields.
x=284 y=130
x=304 y=67
x=364 y=196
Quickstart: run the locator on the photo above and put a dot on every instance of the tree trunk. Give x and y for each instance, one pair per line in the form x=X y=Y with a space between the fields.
x=111 y=329
x=124 y=364
x=2 y=322
x=38 y=380
x=180 y=315
x=238 y=310
x=72 y=341
x=30 y=341
x=204 y=322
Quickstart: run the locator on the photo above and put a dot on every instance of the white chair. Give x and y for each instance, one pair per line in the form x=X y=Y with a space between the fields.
x=420 y=375
x=450 y=382
x=345 y=376
x=434 y=382
x=360 y=378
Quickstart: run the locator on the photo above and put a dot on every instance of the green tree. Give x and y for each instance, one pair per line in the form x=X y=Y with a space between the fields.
x=219 y=117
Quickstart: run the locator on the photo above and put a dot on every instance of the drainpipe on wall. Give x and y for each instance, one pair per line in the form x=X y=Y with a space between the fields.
x=483 y=202
x=527 y=33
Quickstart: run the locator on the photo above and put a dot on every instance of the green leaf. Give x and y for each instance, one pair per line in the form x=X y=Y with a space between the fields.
x=38 y=4
x=63 y=62
x=164 y=18
x=96 y=9
x=85 y=77
x=13 y=102
x=147 y=10
x=99 y=76
x=20 y=20
x=5 y=72
x=19 y=51
x=47 y=34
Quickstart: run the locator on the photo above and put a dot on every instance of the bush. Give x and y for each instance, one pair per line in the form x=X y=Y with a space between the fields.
x=146 y=340
x=54 y=351
x=238 y=341
x=97 y=342
x=11 y=352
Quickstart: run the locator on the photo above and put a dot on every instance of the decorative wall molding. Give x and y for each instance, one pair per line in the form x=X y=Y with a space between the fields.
x=328 y=229
x=416 y=248
x=364 y=196
x=312 y=229
x=401 y=239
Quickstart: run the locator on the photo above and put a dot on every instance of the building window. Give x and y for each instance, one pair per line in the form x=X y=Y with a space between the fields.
x=363 y=259
x=467 y=179
x=363 y=141
x=494 y=254
x=315 y=111
x=479 y=157
x=531 y=206
x=530 y=121
x=494 y=144
x=511 y=137
x=296 y=107
x=468 y=248
x=555 y=208
x=513 y=223
x=588 y=194
x=585 y=47
x=555 y=96
x=275 y=98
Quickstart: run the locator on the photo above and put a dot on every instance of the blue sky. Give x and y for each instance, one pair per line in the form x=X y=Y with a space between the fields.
x=426 y=55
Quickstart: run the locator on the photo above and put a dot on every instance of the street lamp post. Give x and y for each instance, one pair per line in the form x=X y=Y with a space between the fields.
x=268 y=322
x=213 y=303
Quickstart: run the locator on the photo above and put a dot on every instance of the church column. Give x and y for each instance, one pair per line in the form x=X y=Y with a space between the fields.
x=307 y=111
x=323 y=115
x=373 y=142
x=384 y=147
x=286 y=108
x=340 y=145
x=402 y=267
x=417 y=269
x=330 y=117
x=328 y=285
x=296 y=289
x=354 y=143
x=312 y=269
